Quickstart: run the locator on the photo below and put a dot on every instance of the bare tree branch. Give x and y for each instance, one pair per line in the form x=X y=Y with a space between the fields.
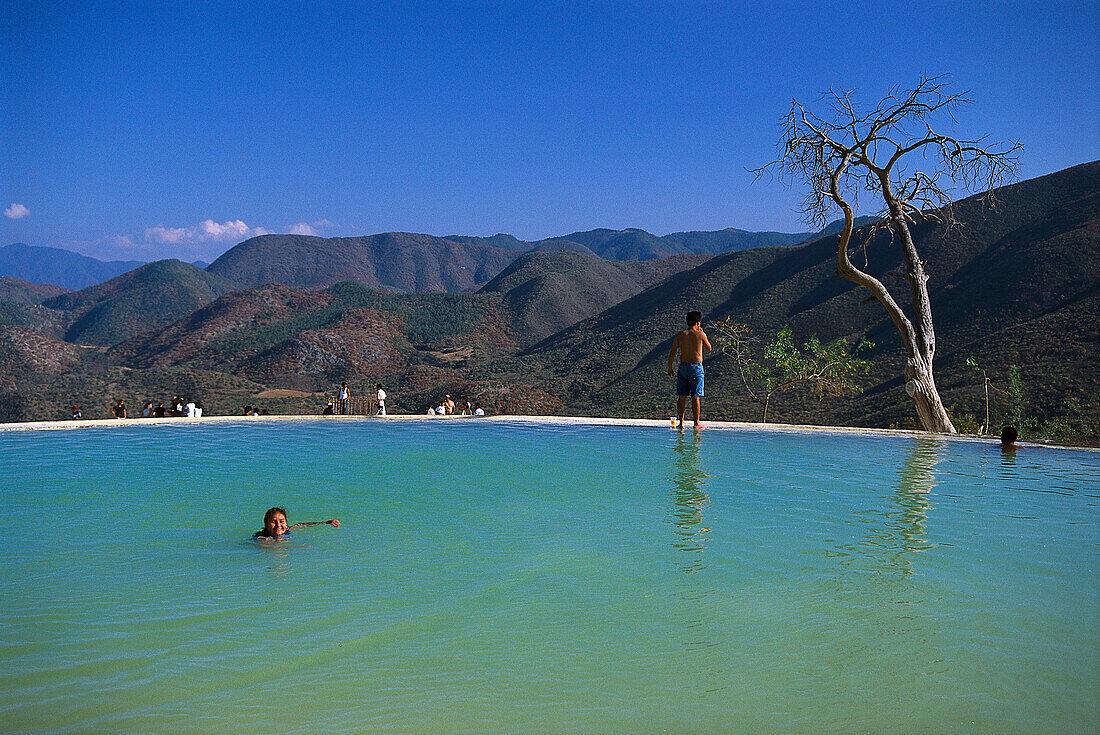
x=894 y=151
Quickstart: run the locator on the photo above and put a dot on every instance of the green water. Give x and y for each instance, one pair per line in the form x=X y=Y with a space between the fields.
x=496 y=577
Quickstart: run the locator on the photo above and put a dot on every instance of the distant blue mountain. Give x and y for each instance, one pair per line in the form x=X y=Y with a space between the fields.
x=635 y=244
x=59 y=267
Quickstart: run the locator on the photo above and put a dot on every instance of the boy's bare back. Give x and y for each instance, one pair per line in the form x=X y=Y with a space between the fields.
x=690 y=343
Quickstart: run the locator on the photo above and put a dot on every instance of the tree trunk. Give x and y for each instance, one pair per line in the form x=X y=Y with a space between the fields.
x=922 y=389
x=919 y=339
x=922 y=337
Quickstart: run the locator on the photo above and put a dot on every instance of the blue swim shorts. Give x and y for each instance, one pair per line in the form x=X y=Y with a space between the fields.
x=689 y=379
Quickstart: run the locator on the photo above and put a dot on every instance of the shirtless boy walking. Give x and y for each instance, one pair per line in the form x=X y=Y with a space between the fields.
x=689 y=377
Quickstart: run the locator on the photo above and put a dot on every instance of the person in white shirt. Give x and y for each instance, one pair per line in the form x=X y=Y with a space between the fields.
x=431 y=411
x=345 y=394
x=478 y=410
x=381 y=401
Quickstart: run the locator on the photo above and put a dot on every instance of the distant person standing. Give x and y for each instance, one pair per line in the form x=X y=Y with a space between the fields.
x=465 y=408
x=689 y=376
x=345 y=394
x=159 y=412
x=119 y=410
x=76 y=412
x=381 y=401
x=449 y=405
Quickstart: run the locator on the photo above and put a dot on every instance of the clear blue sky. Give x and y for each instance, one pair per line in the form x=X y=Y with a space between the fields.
x=126 y=126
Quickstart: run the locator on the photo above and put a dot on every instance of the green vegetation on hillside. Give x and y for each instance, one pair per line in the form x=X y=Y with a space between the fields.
x=1016 y=286
x=153 y=295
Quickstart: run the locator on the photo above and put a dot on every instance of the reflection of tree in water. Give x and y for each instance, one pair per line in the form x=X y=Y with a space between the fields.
x=689 y=500
x=904 y=530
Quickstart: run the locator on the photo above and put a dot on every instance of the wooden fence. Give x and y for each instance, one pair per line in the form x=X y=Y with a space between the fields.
x=355 y=406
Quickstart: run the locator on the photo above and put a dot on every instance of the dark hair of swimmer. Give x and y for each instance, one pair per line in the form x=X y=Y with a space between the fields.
x=271 y=513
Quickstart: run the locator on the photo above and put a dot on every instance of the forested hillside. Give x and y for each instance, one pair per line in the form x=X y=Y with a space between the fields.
x=394 y=261
x=1015 y=285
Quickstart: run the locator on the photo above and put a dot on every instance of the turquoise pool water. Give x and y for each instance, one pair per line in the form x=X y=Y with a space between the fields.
x=506 y=577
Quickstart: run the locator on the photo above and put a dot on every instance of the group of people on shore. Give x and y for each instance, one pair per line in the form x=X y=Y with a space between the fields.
x=445 y=407
x=343 y=401
x=448 y=407
x=176 y=407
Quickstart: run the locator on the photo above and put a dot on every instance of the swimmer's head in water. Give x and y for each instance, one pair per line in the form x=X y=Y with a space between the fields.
x=275 y=522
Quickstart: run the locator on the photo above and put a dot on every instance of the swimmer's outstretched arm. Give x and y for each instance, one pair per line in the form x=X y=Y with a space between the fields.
x=332 y=522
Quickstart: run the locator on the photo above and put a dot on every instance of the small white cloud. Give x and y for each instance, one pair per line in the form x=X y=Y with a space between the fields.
x=121 y=242
x=206 y=231
x=311 y=228
x=303 y=228
x=16 y=211
x=162 y=234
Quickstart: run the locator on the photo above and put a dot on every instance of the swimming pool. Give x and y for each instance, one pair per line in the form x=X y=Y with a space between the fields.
x=510 y=577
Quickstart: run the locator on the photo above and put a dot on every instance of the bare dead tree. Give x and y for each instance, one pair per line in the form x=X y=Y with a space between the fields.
x=892 y=152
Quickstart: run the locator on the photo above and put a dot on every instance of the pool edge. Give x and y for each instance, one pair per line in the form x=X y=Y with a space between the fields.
x=561 y=420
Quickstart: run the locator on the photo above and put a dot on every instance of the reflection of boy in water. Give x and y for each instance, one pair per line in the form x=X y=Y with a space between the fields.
x=275 y=524
x=689 y=378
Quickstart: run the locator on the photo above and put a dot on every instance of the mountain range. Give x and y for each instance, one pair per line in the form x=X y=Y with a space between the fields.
x=58 y=267
x=635 y=244
x=393 y=261
x=552 y=327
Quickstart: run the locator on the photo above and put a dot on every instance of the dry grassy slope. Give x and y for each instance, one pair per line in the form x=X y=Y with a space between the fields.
x=17 y=291
x=277 y=333
x=195 y=340
x=26 y=354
